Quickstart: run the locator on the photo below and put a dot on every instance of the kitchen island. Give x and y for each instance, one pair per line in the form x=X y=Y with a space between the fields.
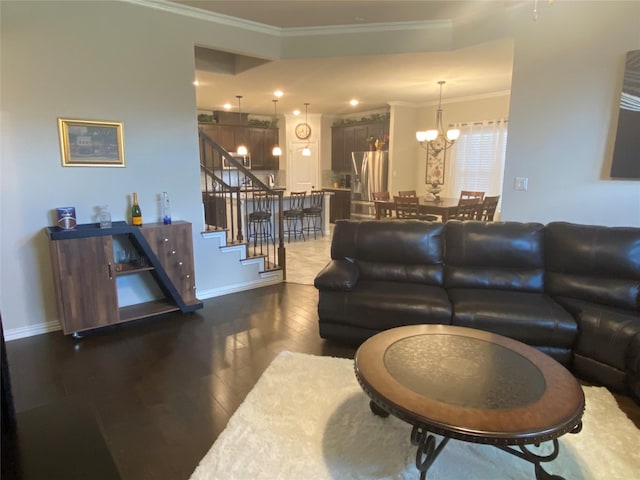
x=340 y=204
x=218 y=209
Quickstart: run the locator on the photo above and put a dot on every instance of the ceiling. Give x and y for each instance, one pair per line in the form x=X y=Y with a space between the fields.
x=318 y=13
x=328 y=84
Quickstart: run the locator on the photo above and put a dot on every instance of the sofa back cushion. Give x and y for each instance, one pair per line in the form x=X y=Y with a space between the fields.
x=392 y=250
x=594 y=263
x=497 y=255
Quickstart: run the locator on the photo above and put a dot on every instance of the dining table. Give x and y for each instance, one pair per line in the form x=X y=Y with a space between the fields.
x=444 y=207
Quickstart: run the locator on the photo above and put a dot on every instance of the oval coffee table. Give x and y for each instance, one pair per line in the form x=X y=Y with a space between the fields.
x=470 y=385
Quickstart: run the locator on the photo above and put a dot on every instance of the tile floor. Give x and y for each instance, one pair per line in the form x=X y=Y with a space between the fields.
x=306 y=258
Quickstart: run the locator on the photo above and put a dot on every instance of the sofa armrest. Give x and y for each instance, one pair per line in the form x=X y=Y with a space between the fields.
x=338 y=275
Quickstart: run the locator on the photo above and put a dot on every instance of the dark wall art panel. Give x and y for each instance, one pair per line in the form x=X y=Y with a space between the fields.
x=626 y=153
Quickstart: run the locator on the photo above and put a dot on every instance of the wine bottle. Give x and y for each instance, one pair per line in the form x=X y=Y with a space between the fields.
x=136 y=213
x=166 y=209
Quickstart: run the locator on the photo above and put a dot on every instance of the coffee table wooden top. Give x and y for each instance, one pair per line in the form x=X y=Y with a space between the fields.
x=469 y=384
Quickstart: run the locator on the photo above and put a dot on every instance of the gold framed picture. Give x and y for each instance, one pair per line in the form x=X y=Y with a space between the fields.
x=91 y=143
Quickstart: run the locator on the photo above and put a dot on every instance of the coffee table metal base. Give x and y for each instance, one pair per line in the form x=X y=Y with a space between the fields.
x=429 y=448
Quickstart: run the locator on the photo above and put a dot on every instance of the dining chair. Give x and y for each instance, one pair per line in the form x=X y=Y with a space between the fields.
x=382 y=196
x=488 y=208
x=467 y=209
x=384 y=209
x=409 y=207
x=407 y=193
x=465 y=194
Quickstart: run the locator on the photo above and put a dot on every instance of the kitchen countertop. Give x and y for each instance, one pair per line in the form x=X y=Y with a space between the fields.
x=337 y=189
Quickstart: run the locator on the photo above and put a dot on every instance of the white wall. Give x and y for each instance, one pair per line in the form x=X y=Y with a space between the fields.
x=118 y=61
x=403 y=162
x=565 y=92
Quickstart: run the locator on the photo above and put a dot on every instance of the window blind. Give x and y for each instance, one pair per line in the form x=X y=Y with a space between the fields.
x=477 y=158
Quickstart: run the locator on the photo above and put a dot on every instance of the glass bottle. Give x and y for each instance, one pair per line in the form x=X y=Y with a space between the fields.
x=105 y=217
x=136 y=213
x=166 y=209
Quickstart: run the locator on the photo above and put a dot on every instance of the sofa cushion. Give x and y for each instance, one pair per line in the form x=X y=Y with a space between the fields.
x=594 y=263
x=605 y=332
x=533 y=318
x=337 y=275
x=633 y=367
x=494 y=255
x=395 y=250
x=381 y=305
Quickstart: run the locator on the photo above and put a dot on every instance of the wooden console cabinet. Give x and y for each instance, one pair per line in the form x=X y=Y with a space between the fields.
x=85 y=272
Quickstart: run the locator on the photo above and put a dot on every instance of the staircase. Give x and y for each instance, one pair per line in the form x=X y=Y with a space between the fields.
x=232 y=197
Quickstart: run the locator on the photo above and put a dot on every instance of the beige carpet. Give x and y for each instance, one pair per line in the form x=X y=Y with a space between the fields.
x=307 y=418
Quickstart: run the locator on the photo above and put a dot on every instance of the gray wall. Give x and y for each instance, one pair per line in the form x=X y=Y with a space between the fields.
x=120 y=61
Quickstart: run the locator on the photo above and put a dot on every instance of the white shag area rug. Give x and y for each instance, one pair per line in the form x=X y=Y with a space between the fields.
x=307 y=418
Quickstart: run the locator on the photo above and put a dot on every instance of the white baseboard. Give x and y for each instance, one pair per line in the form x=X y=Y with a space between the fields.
x=31 y=330
x=266 y=278
x=269 y=279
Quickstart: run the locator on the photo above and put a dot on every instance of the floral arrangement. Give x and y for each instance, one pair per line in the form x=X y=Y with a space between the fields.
x=377 y=143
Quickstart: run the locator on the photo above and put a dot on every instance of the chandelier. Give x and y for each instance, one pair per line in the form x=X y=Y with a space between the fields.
x=437 y=142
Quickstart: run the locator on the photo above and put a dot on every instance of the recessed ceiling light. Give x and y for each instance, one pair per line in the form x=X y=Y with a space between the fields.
x=353 y=102
x=296 y=112
x=278 y=93
x=196 y=83
x=227 y=106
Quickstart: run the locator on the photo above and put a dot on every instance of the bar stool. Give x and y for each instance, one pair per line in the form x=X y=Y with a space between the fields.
x=259 y=225
x=312 y=215
x=293 y=215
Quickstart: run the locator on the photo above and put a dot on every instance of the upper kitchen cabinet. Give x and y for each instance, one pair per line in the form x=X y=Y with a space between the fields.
x=352 y=137
x=259 y=141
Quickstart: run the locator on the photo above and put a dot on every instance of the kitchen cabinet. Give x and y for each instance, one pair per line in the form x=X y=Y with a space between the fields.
x=340 y=204
x=85 y=272
x=259 y=140
x=346 y=139
x=261 y=143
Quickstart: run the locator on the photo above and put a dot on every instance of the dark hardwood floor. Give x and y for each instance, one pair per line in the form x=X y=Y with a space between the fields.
x=159 y=390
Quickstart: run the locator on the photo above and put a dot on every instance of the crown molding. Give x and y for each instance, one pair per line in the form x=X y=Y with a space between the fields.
x=367 y=28
x=449 y=100
x=187 y=11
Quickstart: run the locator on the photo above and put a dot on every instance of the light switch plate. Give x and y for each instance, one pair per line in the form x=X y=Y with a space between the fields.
x=520 y=183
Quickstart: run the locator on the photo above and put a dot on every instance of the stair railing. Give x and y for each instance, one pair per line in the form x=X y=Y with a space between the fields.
x=232 y=195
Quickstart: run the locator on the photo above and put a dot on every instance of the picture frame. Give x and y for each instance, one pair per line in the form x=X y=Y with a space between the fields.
x=436 y=163
x=91 y=143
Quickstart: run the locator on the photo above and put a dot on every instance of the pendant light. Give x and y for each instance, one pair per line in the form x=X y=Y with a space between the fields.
x=306 y=151
x=277 y=151
x=437 y=143
x=241 y=149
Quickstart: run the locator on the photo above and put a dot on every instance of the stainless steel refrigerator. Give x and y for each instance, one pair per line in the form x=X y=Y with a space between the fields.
x=369 y=173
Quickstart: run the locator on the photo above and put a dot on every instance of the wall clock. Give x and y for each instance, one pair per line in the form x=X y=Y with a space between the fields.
x=303 y=131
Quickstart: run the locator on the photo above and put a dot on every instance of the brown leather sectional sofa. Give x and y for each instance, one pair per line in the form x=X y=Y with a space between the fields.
x=572 y=291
